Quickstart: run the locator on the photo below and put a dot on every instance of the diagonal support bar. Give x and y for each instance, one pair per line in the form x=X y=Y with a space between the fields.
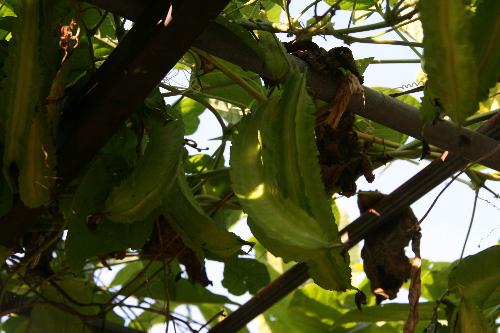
x=409 y=192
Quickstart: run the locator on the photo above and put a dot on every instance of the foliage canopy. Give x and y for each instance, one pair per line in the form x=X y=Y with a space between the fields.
x=152 y=206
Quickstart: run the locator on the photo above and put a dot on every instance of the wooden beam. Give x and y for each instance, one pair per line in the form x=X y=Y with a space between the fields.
x=164 y=31
x=375 y=106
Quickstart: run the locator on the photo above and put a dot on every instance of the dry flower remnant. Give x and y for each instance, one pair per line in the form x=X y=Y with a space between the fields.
x=384 y=259
x=68 y=38
x=342 y=158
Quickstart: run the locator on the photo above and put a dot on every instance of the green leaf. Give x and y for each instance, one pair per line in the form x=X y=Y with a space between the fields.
x=46 y=318
x=373 y=128
x=289 y=215
x=362 y=64
x=227 y=217
x=387 y=312
x=485 y=37
x=78 y=289
x=84 y=242
x=362 y=9
x=196 y=228
x=11 y=7
x=242 y=34
x=273 y=10
x=449 y=58
x=197 y=163
x=148 y=319
x=89 y=234
x=228 y=98
x=273 y=55
x=350 y=4
x=261 y=199
x=471 y=319
x=187 y=292
x=8 y=23
x=150 y=281
x=37 y=173
x=190 y=111
x=19 y=94
x=434 y=279
x=218 y=185
x=15 y=324
x=126 y=273
x=33 y=63
x=476 y=278
x=104 y=40
x=143 y=190
x=314 y=304
x=244 y=274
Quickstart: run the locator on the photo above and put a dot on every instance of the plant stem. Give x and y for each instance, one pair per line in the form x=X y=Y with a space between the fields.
x=396 y=30
x=278 y=27
x=396 y=61
x=209 y=173
x=233 y=76
x=470 y=224
x=350 y=39
x=376 y=139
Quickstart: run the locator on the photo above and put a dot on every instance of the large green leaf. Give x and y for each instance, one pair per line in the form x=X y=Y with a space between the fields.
x=127 y=273
x=275 y=174
x=148 y=319
x=15 y=324
x=47 y=318
x=7 y=23
x=104 y=40
x=30 y=130
x=477 y=278
x=476 y=281
x=434 y=278
x=387 y=312
x=89 y=234
x=147 y=279
x=273 y=55
x=315 y=305
x=224 y=95
x=37 y=173
x=197 y=229
x=190 y=111
x=471 y=319
x=20 y=90
x=449 y=59
x=76 y=294
x=143 y=190
x=244 y=275
x=486 y=40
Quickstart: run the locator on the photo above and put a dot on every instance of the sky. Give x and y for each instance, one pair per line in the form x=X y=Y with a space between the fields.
x=445 y=228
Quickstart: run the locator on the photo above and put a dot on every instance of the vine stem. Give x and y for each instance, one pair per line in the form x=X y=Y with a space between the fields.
x=351 y=39
x=231 y=75
x=278 y=27
x=399 y=33
x=395 y=61
x=470 y=224
x=376 y=139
